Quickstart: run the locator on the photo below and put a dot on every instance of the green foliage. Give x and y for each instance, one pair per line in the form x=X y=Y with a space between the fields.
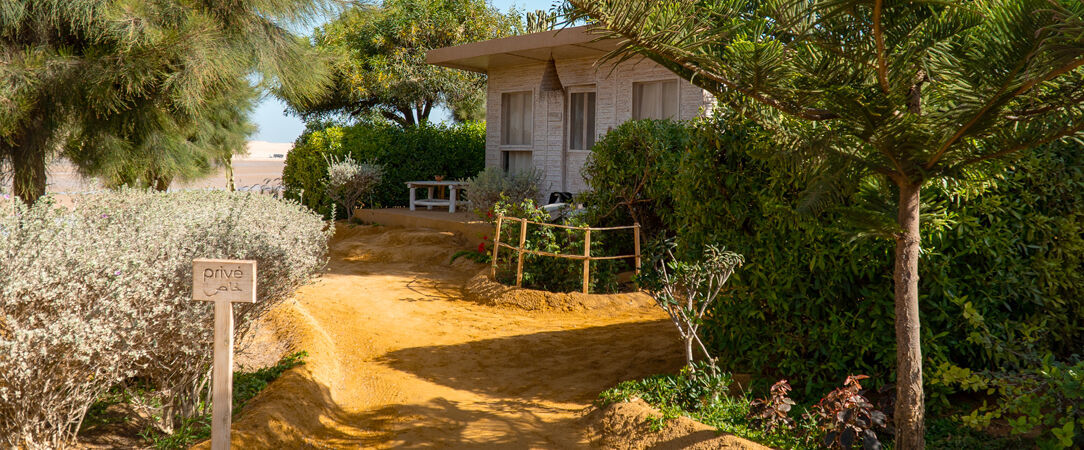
x=411 y=154
x=1003 y=267
x=895 y=93
x=379 y=52
x=1046 y=400
x=119 y=86
x=547 y=272
x=183 y=150
x=706 y=401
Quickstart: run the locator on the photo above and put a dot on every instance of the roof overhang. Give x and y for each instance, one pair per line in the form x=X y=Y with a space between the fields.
x=567 y=43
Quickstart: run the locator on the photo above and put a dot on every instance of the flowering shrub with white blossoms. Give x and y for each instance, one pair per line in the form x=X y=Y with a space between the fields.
x=99 y=292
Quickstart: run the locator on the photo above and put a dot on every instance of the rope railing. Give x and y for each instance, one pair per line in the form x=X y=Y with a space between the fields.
x=586 y=256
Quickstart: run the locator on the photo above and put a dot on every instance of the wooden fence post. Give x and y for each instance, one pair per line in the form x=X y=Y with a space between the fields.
x=496 y=245
x=636 y=244
x=586 y=259
x=519 y=262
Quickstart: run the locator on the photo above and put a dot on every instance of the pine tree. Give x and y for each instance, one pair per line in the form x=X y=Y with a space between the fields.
x=140 y=75
x=904 y=91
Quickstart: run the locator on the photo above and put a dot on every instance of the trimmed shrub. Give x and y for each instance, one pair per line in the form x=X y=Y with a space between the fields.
x=101 y=291
x=406 y=154
x=1001 y=271
x=348 y=181
x=492 y=184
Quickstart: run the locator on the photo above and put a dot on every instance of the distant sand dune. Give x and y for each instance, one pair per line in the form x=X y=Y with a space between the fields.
x=260 y=165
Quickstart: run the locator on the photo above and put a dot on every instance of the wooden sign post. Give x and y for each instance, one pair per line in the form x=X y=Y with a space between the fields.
x=224 y=282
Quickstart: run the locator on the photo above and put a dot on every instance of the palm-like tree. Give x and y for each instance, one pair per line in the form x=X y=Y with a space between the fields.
x=904 y=90
x=136 y=74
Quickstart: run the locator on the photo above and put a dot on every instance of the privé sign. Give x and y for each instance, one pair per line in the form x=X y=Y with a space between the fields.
x=224 y=282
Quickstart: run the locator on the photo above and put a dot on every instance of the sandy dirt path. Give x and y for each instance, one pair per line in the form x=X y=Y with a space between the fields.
x=398 y=359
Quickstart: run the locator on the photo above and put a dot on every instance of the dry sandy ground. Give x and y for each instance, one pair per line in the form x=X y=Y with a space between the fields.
x=399 y=359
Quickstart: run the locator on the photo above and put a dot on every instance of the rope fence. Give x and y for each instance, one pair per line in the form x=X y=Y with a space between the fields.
x=586 y=256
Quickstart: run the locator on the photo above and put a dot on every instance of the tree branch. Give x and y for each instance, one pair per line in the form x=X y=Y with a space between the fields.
x=1064 y=133
x=1022 y=115
x=878 y=38
x=397 y=118
x=982 y=111
x=671 y=58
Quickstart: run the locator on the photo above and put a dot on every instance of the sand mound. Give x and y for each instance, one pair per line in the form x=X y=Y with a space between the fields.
x=628 y=426
x=482 y=289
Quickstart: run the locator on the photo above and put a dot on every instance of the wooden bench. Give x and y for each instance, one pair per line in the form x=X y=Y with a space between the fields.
x=429 y=202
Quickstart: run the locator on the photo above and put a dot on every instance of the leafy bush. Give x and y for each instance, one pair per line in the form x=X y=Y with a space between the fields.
x=1002 y=272
x=101 y=291
x=348 y=181
x=547 y=272
x=1048 y=400
x=492 y=184
x=410 y=154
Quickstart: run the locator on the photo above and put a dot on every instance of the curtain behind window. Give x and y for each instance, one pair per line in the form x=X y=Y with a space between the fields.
x=655 y=100
x=517 y=118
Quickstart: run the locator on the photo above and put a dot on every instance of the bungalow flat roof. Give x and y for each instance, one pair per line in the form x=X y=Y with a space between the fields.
x=567 y=43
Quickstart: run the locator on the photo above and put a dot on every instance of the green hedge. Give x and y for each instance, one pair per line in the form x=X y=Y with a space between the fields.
x=407 y=154
x=1001 y=272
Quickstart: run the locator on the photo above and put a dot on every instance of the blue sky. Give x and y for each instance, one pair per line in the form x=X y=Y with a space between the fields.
x=275 y=126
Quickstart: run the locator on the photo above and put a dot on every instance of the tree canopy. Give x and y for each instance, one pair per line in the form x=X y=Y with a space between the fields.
x=379 y=59
x=891 y=93
x=116 y=78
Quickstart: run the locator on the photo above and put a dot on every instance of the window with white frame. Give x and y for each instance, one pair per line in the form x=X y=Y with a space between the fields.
x=581 y=120
x=655 y=99
x=517 y=118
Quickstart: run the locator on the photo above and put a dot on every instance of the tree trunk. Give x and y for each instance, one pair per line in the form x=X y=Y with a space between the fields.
x=910 y=409
x=28 y=168
x=158 y=182
x=689 y=351
x=228 y=163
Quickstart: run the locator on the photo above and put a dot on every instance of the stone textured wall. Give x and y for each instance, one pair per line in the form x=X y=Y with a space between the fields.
x=613 y=105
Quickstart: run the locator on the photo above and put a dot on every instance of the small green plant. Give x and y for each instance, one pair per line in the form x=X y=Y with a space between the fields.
x=480 y=255
x=245 y=387
x=773 y=413
x=847 y=418
x=687 y=289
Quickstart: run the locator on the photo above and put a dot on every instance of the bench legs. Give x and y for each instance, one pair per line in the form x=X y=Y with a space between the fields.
x=412 y=198
x=430 y=207
x=451 y=198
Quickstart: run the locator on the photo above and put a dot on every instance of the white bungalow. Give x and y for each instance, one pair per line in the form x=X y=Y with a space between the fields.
x=548 y=102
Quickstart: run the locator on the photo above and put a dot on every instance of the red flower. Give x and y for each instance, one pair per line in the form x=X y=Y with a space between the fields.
x=489 y=213
x=481 y=247
x=485 y=238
